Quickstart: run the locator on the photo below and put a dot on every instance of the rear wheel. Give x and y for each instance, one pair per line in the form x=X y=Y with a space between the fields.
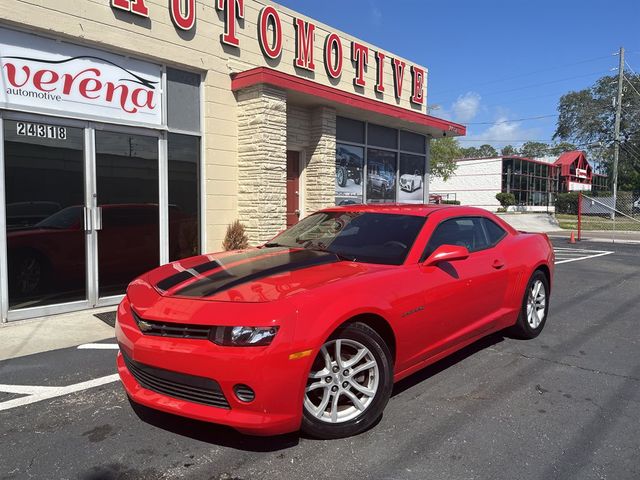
x=535 y=306
x=349 y=384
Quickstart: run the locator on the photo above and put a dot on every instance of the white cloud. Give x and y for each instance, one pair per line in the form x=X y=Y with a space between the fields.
x=466 y=107
x=376 y=13
x=501 y=133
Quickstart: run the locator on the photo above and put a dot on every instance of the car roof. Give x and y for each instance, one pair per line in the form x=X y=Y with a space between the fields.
x=419 y=210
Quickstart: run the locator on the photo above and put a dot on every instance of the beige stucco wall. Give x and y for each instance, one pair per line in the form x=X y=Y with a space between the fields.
x=94 y=23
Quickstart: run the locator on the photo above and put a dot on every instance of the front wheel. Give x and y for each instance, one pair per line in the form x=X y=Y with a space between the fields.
x=349 y=384
x=535 y=306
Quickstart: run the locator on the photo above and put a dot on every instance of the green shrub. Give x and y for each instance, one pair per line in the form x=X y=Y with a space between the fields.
x=567 y=203
x=450 y=202
x=506 y=199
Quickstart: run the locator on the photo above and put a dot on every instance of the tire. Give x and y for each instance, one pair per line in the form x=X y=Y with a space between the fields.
x=529 y=324
x=325 y=419
x=27 y=272
x=341 y=176
x=358 y=179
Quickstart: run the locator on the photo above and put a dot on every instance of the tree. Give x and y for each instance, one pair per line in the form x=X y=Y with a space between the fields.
x=561 y=147
x=509 y=150
x=534 y=149
x=444 y=152
x=470 y=152
x=487 y=150
x=587 y=118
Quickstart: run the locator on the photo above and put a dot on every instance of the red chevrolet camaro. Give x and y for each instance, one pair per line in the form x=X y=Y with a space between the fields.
x=312 y=329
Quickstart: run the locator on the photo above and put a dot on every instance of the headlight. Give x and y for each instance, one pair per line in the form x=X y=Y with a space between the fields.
x=243 y=336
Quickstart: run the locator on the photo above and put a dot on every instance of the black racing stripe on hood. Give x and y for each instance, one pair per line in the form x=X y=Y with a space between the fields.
x=260 y=268
x=181 y=277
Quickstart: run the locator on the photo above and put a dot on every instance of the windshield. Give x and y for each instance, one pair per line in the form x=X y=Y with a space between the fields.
x=65 y=218
x=358 y=236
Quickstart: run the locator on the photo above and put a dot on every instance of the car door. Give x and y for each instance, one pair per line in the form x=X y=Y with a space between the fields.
x=464 y=298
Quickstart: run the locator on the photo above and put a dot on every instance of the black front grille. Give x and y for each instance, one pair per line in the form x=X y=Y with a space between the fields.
x=174 y=330
x=178 y=385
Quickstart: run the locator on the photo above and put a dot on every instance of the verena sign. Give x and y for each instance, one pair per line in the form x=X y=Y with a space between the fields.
x=409 y=81
x=43 y=75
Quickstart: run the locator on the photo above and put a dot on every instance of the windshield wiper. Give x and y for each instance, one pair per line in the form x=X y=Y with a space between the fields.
x=340 y=256
x=274 y=245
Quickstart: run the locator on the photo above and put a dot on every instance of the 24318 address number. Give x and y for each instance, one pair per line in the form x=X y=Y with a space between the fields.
x=41 y=131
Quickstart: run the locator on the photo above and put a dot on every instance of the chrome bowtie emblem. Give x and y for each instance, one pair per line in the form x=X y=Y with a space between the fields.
x=144 y=326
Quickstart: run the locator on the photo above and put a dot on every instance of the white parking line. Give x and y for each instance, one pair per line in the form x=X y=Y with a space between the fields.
x=38 y=394
x=99 y=346
x=567 y=254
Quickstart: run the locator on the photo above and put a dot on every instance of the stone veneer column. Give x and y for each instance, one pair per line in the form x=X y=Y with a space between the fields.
x=320 y=172
x=262 y=161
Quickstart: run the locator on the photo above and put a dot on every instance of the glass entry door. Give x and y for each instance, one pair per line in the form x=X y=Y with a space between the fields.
x=44 y=180
x=127 y=214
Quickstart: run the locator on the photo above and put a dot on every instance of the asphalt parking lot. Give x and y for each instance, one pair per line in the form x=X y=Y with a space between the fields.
x=563 y=406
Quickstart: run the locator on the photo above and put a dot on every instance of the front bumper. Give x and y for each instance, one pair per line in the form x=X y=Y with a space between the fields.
x=277 y=381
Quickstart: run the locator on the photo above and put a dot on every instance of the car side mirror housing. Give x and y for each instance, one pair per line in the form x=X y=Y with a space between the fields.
x=446 y=253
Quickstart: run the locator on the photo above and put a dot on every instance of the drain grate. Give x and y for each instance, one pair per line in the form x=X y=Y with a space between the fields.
x=107 y=317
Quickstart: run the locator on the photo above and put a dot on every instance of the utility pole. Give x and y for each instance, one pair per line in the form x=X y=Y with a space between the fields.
x=616 y=151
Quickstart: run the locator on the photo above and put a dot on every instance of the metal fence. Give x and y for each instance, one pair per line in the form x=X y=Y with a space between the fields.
x=609 y=217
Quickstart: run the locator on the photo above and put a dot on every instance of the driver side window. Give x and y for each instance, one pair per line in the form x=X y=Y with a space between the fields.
x=463 y=231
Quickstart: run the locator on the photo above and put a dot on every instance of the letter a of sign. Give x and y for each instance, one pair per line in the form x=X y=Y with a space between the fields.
x=134 y=6
x=231 y=13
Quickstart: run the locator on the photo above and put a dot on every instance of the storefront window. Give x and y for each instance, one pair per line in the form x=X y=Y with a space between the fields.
x=184 y=196
x=349 y=174
x=44 y=184
x=381 y=176
x=183 y=117
x=128 y=197
x=411 y=178
x=395 y=164
x=348 y=130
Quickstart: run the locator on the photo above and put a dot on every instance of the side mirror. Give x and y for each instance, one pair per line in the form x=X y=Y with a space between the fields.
x=447 y=253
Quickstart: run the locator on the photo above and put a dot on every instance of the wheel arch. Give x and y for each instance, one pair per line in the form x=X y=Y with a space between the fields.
x=381 y=326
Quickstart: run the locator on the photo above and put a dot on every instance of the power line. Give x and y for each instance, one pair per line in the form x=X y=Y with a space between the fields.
x=631 y=84
x=534 y=85
x=531 y=73
x=632 y=70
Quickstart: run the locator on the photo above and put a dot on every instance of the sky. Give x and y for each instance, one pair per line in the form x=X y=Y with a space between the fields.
x=492 y=63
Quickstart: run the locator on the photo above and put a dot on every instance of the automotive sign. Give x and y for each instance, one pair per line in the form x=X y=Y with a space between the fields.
x=38 y=74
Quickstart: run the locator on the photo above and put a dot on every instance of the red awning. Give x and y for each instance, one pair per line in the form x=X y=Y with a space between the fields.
x=310 y=92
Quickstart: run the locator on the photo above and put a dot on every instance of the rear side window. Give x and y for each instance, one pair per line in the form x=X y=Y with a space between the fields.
x=495 y=233
x=463 y=231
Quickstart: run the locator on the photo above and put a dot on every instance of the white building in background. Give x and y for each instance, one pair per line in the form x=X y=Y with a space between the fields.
x=533 y=182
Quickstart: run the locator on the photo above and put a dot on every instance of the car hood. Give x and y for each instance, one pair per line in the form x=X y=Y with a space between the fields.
x=253 y=275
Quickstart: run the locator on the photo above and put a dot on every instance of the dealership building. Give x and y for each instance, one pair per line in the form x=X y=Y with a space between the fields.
x=534 y=183
x=133 y=132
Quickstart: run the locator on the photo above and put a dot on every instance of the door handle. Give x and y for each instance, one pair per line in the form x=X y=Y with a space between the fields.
x=497 y=264
x=97 y=219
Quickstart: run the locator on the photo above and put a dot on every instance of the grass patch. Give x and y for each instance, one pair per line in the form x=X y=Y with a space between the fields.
x=591 y=222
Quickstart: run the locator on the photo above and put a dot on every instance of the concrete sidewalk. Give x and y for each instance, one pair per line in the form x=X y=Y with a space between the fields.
x=27 y=337
x=531 y=222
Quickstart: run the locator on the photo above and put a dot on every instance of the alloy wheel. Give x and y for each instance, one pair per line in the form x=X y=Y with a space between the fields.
x=536 y=304
x=343 y=382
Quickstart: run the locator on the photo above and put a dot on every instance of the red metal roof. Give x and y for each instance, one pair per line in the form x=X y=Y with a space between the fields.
x=567 y=158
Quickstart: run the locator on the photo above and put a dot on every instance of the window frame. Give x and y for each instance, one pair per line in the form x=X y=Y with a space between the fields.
x=489 y=246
